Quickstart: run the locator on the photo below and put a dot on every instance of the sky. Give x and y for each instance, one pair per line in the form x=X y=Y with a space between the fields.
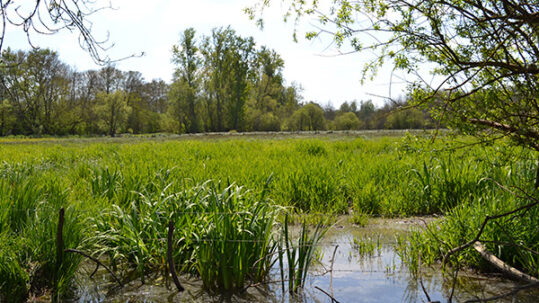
x=153 y=27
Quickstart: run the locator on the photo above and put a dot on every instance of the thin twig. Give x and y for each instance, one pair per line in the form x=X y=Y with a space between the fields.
x=455 y=278
x=330 y=296
x=97 y=262
x=331 y=270
x=421 y=278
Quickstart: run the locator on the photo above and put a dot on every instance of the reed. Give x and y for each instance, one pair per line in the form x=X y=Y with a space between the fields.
x=120 y=195
x=367 y=246
x=298 y=256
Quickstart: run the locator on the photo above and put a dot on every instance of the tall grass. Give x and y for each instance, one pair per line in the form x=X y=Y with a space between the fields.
x=29 y=217
x=513 y=239
x=383 y=176
x=224 y=234
x=298 y=256
x=120 y=195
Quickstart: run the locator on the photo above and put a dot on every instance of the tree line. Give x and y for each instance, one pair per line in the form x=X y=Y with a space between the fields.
x=222 y=82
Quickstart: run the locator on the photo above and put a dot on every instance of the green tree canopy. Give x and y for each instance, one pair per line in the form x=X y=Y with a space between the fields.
x=347 y=121
x=310 y=117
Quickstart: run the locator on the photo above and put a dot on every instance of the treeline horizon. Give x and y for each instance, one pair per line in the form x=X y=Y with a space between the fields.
x=222 y=82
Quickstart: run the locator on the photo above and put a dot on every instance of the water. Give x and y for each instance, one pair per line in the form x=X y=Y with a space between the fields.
x=380 y=277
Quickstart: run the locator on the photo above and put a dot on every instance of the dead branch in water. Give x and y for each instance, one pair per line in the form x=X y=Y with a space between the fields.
x=97 y=262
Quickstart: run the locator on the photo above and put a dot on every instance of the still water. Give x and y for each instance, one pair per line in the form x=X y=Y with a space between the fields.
x=342 y=273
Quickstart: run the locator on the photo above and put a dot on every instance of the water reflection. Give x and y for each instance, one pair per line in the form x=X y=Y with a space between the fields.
x=379 y=277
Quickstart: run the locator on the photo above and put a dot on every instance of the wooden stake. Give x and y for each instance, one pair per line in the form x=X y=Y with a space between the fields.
x=59 y=255
x=169 y=256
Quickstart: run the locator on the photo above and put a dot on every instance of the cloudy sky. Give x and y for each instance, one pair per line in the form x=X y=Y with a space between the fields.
x=154 y=26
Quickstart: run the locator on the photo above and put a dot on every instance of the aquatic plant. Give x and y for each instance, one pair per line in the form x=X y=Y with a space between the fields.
x=367 y=246
x=298 y=256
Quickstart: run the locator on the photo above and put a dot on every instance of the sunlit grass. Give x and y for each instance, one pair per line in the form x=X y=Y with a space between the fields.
x=120 y=195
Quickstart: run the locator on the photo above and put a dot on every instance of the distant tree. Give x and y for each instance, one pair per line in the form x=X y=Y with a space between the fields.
x=34 y=82
x=240 y=58
x=310 y=117
x=112 y=109
x=110 y=79
x=86 y=90
x=228 y=60
x=366 y=114
x=132 y=85
x=156 y=95
x=187 y=80
x=348 y=107
x=7 y=118
x=410 y=118
x=267 y=87
x=289 y=101
x=329 y=111
x=347 y=121
x=216 y=72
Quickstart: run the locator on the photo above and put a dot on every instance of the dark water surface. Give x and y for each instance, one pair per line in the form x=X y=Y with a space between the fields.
x=380 y=277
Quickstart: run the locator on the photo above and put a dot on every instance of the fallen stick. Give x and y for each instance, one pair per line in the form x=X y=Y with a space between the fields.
x=97 y=262
x=333 y=300
x=502 y=266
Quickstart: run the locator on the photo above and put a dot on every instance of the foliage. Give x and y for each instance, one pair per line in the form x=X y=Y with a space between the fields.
x=347 y=121
x=29 y=213
x=185 y=89
x=298 y=257
x=223 y=234
x=367 y=246
x=483 y=54
x=112 y=110
x=411 y=118
x=220 y=83
x=308 y=117
x=505 y=238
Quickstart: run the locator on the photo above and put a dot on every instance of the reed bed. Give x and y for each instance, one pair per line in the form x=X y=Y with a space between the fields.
x=120 y=195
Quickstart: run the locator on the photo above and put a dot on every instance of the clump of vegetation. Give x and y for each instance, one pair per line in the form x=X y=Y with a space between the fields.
x=367 y=246
x=505 y=237
x=224 y=234
x=298 y=256
x=359 y=218
x=29 y=204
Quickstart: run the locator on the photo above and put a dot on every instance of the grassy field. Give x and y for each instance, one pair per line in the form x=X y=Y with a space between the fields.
x=226 y=196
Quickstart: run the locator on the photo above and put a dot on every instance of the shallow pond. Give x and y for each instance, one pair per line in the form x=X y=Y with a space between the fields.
x=351 y=277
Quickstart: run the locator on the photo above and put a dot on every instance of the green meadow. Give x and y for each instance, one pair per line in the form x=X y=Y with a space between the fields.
x=228 y=196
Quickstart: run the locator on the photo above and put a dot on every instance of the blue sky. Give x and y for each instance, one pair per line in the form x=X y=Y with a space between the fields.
x=154 y=26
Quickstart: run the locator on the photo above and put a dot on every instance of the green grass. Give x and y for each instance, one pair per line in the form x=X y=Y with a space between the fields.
x=367 y=246
x=298 y=256
x=120 y=194
x=223 y=234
